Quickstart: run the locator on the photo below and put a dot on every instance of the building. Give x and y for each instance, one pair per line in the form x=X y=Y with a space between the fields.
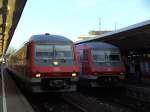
x=92 y=33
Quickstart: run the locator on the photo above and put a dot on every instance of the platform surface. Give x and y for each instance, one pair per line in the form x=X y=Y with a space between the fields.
x=11 y=99
x=1 y=103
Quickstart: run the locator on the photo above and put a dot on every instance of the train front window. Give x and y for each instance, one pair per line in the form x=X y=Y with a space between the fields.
x=43 y=54
x=98 y=56
x=63 y=52
x=44 y=51
x=114 y=57
x=46 y=54
x=106 y=55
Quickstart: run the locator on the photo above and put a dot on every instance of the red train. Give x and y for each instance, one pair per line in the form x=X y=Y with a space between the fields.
x=46 y=63
x=99 y=63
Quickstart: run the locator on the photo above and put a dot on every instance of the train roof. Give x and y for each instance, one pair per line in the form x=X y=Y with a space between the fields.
x=101 y=45
x=49 y=38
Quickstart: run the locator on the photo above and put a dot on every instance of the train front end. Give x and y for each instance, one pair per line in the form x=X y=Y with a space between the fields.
x=100 y=63
x=107 y=65
x=54 y=65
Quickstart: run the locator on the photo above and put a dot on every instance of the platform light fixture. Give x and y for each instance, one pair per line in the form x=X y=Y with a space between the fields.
x=1 y=30
x=8 y=24
x=1 y=19
x=1 y=3
x=8 y=8
x=1 y=37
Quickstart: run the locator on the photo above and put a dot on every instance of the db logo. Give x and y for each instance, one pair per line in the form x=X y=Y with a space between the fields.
x=108 y=69
x=56 y=69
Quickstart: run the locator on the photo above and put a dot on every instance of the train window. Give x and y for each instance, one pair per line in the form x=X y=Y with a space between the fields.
x=45 y=54
x=44 y=51
x=114 y=57
x=63 y=54
x=63 y=51
x=105 y=55
x=99 y=56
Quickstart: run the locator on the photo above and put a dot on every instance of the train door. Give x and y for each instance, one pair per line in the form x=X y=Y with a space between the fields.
x=85 y=61
x=80 y=55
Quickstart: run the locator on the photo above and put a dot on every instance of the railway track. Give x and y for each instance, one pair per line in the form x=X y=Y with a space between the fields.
x=103 y=100
x=138 y=91
x=71 y=102
x=86 y=104
x=118 y=98
x=92 y=104
x=51 y=103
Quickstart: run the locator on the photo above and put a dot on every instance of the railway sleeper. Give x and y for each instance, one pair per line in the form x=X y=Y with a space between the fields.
x=138 y=94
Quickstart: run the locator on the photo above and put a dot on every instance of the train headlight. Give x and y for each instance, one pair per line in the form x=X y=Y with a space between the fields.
x=55 y=63
x=121 y=73
x=74 y=74
x=38 y=75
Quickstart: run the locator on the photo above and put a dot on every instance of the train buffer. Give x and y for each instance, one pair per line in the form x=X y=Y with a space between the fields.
x=11 y=99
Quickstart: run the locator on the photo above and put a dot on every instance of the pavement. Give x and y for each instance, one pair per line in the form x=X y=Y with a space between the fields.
x=1 y=104
x=11 y=99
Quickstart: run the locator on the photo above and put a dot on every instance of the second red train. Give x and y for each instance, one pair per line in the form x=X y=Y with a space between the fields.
x=100 y=63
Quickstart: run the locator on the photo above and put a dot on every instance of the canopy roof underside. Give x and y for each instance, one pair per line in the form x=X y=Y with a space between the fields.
x=10 y=13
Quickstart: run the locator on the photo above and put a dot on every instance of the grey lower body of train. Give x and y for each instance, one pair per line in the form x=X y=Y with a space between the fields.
x=52 y=84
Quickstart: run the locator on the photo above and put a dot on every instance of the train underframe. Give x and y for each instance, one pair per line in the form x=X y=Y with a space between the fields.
x=53 y=84
x=98 y=81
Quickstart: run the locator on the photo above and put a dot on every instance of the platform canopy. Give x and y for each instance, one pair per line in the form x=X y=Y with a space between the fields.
x=10 y=13
x=134 y=37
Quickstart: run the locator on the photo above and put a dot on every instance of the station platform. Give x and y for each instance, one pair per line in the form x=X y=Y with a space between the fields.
x=11 y=99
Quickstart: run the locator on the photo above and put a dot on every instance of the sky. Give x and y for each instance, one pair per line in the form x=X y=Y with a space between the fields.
x=74 y=18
